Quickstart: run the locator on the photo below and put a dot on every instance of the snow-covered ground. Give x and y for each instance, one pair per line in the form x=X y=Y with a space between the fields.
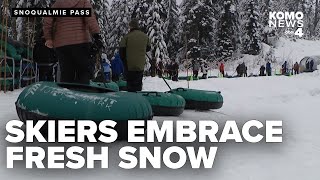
x=295 y=100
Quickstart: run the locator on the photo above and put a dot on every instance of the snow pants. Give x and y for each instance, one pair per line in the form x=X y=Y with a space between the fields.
x=75 y=63
x=134 y=81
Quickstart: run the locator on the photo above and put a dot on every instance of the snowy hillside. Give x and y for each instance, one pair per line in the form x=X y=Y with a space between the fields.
x=285 y=50
x=295 y=100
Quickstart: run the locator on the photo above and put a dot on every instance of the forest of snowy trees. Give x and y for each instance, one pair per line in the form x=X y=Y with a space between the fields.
x=213 y=30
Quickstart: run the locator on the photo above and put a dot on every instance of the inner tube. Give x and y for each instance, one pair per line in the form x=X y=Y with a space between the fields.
x=110 y=85
x=165 y=104
x=122 y=85
x=199 y=99
x=52 y=101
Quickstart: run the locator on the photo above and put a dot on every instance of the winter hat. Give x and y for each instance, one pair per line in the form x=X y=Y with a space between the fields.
x=134 y=24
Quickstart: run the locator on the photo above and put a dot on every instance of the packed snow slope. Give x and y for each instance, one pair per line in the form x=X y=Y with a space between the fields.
x=295 y=100
x=284 y=50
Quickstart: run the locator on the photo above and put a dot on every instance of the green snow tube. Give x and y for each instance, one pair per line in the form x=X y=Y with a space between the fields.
x=165 y=104
x=11 y=51
x=111 y=85
x=199 y=99
x=51 y=101
x=122 y=85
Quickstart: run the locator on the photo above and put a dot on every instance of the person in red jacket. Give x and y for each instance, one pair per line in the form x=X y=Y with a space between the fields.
x=222 y=69
x=72 y=38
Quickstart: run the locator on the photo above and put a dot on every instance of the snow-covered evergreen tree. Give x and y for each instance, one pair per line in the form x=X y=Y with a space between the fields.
x=156 y=32
x=252 y=39
x=198 y=24
x=227 y=31
x=119 y=24
x=26 y=28
x=171 y=28
x=140 y=13
x=102 y=12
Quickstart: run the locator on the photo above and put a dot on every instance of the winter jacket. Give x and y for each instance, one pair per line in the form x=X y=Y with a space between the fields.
x=117 y=65
x=296 y=67
x=65 y=31
x=222 y=67
x=133 y=48
x=268 y=66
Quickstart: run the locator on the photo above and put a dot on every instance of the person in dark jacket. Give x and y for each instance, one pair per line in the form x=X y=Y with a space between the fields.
x=262 y=70
x=117 y=68
x=285 y=68
x=133 y=49
x=296 y=68
x=269 y=69
x=175 y=69
x=71 y=36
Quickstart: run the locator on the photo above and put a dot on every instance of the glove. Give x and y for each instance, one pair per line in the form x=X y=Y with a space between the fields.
x=97 y=41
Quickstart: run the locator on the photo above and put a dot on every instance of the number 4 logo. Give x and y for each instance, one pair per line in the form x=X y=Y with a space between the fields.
x=299 y=32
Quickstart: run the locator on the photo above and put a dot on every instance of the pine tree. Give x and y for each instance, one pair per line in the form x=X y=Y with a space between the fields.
x=227 y=31
x=252 y=38
x=27 y=27
x=198 y=24
x=156 y=32
x=102 y=13
x=119 y=24
x=171 y=28
x=140 y=13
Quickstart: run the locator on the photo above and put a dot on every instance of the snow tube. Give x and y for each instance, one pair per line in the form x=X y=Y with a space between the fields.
x=200 y=100
x=51 y=101
x=122 y=85
x=111 y=85
x=165 y=104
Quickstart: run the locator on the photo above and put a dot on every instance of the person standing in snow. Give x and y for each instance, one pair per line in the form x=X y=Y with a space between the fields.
x=269 y=69
x=133 y=49
x=262 y=70
x=117 y=68
x=196 y=68
x=221 y=68
x=204 y=70
x=285 y=68
x=296 y=68
x=72 y=38
x=175 y=69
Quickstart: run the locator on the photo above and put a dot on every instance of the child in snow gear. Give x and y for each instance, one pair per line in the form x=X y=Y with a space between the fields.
x=269 y=69
x=221 y=68
x=106 y=68
x=133 y=48
x=71 y=38
x=296 y=68
x=117 y=68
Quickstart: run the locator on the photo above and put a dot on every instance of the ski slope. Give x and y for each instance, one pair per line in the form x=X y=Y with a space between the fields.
x=295 y=100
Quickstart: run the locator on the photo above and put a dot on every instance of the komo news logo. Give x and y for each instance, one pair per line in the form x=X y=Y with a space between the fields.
x=293 y=21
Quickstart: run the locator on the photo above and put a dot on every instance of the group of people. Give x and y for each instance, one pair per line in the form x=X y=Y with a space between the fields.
x=242 y=70
x=266 y=70
x=77 y=41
